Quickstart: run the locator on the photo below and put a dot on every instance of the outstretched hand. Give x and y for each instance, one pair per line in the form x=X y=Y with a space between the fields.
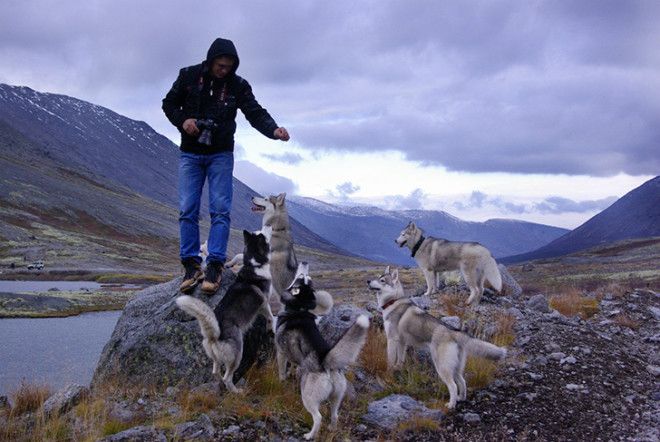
x=281 y=134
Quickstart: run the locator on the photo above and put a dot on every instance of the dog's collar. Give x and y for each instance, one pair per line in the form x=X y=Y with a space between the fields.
x=415 y=248
x=388 y=303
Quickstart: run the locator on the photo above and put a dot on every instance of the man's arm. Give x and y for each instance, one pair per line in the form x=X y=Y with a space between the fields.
x=256 y=115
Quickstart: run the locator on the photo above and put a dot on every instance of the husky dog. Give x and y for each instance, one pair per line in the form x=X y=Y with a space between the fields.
x=435 y=255
x=247 y=297
x=321 y=365
x=406 y=325
x=283 y=261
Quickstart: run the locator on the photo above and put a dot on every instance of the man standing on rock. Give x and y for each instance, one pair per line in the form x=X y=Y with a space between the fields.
x=202 y=104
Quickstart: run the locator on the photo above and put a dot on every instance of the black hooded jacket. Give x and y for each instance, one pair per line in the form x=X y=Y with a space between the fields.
x=197 y=94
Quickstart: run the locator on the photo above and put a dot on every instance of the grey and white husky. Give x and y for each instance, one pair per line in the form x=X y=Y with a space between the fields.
x=320 y=365
x=223 y=328
x=283 y=261
x=436 y=255
x=407 y=325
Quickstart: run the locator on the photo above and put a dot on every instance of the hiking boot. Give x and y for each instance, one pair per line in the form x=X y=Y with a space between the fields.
x=212 y=278
x=193 y=276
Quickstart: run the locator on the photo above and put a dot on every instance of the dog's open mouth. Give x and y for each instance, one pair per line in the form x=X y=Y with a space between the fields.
x=257 y=207
x=374 y=289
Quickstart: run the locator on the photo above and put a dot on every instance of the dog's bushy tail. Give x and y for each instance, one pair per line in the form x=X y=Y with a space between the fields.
x=347 y=349
x=477 y=347
x=493 y=273
x=205 y=316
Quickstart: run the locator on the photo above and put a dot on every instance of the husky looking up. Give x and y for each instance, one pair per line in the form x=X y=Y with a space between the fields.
x=406 y=325
x=223 y=328
x=434 y=256
x=321 y=365
x=283 y=261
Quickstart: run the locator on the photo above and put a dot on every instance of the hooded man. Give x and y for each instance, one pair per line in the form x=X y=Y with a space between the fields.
x=202 y=104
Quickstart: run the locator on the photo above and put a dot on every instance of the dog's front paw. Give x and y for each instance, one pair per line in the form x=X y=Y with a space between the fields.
x=309 y=436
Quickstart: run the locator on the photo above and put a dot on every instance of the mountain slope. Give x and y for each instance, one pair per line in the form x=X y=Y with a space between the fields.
x=370 y=232
x=634 y=215
x=67 y=164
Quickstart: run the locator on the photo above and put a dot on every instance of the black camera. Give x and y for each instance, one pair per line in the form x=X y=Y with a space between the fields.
x=206 y=128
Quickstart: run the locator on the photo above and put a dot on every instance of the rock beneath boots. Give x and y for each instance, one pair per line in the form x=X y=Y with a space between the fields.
x=510 y=286
x=154 y=342
x=64 y=400
x=137 y=434
x=333 y=325
x=471 y=418
x=388 y=412
x=201 y=429
x=538 y=303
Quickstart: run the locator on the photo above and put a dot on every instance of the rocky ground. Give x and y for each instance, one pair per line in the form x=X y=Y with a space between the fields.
x=566 y=378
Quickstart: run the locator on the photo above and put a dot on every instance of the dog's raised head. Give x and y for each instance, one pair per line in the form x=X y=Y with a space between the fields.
x=409 y=235
x=300 y=294
x=388 y=287
x=269 y=207
x=256 y=251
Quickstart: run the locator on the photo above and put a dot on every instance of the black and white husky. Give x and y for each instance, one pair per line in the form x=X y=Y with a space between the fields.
x=321 y=365
x=223 y=328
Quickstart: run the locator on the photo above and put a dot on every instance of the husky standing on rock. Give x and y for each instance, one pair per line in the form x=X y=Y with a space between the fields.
x=406 y=325
x=435 y=255
x=321 y=365
x=223 y=327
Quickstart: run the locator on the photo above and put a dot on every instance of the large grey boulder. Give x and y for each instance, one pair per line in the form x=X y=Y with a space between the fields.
x=154 y=342
x=335 y=324
x=388 y=412
x=137 y=434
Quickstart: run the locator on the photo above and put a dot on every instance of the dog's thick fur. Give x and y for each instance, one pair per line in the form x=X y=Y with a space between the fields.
x=321 y=366
x=406 y=325
x=223 y=328
x=435 y=255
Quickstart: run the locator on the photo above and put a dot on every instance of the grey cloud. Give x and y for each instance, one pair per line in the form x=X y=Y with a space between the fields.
x=555 y=204
x=266 y=183
x=289 y=158
x=343 y=191
x=561 y=205
x=526 y=87
x=414 y=200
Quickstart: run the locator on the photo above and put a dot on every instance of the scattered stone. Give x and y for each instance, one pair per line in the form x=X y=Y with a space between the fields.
x=527 y=267
x=515 y=312
x=471 y=418
x=568 y=360
x=137 y=434
x=388 y=412
x=538 y=303
x=231 y=430
x=201 y=429
x=535 y=376
x=573 y=387
x=557 y=356
x=64 y=400
x=655 y=311
x=452 y=321
x=653 y=369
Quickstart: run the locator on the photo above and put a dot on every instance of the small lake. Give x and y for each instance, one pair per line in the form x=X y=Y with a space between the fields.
x=43 y=286
x=55 y=351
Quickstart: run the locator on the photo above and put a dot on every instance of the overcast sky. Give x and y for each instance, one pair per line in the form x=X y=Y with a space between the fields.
x=539 y=110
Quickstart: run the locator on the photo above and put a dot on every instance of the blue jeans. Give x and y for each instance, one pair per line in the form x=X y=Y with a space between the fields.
x=194 y=169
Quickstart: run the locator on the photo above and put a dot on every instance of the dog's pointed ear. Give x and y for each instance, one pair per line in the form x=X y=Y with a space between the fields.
x=246 y=235
x=280 y=198
x=413 y=225
x=395 y=275
x=387 y=270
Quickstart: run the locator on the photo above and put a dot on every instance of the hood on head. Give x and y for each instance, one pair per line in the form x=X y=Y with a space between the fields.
x=222 y=46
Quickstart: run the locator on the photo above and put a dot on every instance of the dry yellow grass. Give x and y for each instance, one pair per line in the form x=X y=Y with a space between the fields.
x=29 y=397
x=418 y=424
x=623 y=320
x=572 y=302
x=374 y=353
